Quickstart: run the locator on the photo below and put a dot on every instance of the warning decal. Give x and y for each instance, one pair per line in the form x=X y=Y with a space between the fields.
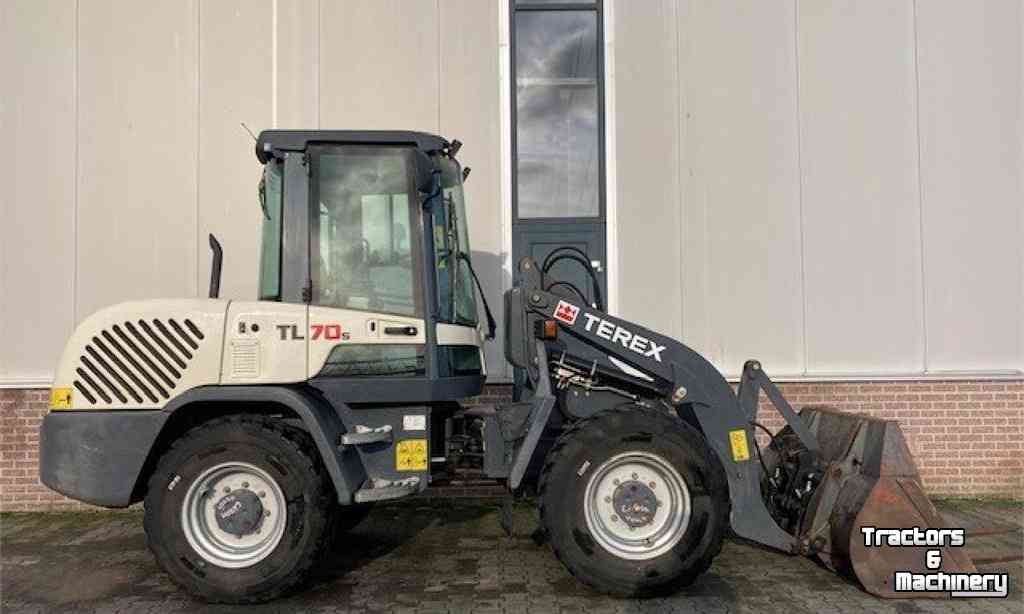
x=738 y=441
x=61 y=398
x=411 y=455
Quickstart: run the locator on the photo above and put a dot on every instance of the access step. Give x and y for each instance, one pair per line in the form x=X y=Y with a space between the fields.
x=381 y=490
x=362 y=435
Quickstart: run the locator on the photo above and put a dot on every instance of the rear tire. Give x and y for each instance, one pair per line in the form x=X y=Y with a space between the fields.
x=656 y=469
x=238 y=509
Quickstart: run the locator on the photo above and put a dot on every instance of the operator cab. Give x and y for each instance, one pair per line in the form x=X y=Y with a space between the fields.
x=369 y=229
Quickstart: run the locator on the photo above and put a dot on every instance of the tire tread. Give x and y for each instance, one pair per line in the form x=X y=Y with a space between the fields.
x=268 y=427
x=559 y=453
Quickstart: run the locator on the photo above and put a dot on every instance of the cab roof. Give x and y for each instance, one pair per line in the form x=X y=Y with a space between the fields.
x=272 y=141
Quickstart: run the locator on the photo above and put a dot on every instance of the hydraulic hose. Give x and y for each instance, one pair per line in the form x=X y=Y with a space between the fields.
x=579 y=256
x=570 y=287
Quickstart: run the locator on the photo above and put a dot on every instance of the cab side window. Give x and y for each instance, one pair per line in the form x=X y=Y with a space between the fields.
x=363 y=244
x=271 y=199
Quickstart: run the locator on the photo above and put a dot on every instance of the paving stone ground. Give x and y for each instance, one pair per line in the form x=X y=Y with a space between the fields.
x=435 y=556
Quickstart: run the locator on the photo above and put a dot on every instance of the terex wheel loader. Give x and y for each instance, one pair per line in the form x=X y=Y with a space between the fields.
x=256 y=431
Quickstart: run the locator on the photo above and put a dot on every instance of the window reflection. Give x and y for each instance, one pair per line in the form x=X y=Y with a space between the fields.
x=557 y=128
x=364 y=250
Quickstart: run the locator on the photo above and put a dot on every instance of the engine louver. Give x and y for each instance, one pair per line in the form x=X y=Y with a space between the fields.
x=137 y=361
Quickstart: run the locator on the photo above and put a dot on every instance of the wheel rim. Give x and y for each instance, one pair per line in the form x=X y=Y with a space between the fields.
x=234 y=515
x=637 y=505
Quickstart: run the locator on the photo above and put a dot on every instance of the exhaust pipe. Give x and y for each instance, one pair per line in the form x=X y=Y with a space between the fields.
x=218 y=258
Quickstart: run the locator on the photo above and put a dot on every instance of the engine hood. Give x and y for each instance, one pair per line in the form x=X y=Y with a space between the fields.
x=140 y=354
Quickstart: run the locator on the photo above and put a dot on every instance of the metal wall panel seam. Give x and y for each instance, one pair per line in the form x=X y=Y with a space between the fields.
x=199 y=116
x=800 y=187
x=672 y=35
x=610 y=160
x=684 y=176
x=273 y=63
x=505 y=140
x=1020 y=176
x=440 y=62
x=920 y=195
x=319 y=53
x=74 y=183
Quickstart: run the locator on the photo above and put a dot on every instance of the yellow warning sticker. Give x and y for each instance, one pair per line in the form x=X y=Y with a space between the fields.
x=61 y=398
x=411 y=455
x=738 y=440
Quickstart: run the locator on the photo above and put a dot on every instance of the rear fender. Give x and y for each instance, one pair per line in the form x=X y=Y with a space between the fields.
x=319 y=418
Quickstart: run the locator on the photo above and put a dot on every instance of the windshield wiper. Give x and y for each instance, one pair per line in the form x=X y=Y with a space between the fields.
x=263 y=198
x=446 y=255
x=452 y=235
x=453 y=242
x=491 y=325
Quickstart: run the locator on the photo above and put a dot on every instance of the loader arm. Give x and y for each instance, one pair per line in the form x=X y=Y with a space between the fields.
x=681 y=377
x=821 y=479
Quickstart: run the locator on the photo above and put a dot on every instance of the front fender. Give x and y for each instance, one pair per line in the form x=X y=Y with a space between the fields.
x=319 y=417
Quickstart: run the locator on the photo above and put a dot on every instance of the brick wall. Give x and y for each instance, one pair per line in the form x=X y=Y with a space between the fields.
x=21 y=411
x=964 y=435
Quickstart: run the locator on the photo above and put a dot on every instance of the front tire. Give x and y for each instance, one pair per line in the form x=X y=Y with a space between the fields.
x=633 y=502
x=238 y=509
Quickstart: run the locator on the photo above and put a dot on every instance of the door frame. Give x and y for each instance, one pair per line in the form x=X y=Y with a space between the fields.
x=607 y=140
x=610 y=182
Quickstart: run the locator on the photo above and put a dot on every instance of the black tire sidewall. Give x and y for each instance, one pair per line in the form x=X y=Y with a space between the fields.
x=607 y=436
x=238 y=443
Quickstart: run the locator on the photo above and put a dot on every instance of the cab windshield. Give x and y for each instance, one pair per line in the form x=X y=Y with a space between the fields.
x=455 y=290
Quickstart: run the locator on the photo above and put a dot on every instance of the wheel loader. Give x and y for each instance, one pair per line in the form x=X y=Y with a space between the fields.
x=256 y=432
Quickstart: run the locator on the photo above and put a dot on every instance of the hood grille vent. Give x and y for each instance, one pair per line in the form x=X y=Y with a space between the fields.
x=137 y=361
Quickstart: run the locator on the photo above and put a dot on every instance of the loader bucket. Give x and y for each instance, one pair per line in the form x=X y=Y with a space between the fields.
x=870 y=480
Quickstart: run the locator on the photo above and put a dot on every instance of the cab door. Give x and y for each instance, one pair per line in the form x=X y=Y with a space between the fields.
x=366 y=317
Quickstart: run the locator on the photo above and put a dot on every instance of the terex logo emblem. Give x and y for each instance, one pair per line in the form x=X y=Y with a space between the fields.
x=567 y=312
x=616 y=334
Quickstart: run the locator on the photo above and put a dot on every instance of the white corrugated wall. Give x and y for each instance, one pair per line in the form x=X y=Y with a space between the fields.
x=123 y=146
x=833 y=187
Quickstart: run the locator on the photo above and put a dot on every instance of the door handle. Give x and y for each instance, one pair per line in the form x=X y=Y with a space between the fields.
x=401 y=330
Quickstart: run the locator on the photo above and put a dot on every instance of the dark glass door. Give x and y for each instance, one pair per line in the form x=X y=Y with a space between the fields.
x=558 y=195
